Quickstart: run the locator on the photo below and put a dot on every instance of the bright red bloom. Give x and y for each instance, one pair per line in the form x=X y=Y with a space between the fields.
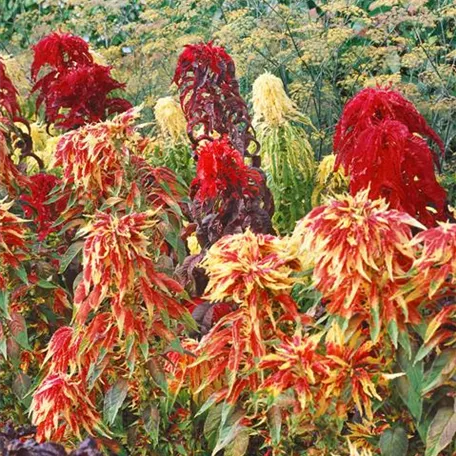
x=75 y=92
x=60 y=51
x=369 y=108
x=37 y=208
x=222 y=172
x=210 y=98
x=8 y=94
x=379 y=143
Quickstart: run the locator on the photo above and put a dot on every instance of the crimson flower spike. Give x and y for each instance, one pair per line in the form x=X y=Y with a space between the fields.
x=380 y=141
x=76 y=90
x=210 y=98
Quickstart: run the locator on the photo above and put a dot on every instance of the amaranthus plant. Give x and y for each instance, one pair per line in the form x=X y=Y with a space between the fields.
x=287 y=155
x=380 y=142
x=227 y=195
x=76 y=90
x=361 y=253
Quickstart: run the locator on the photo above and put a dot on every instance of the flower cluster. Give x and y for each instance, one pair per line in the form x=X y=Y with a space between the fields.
x=380 y=143
x=8 y=94
x=76 y=90
x=37 y=207
x=12 y=240
x=222 y=173
x=170 y=119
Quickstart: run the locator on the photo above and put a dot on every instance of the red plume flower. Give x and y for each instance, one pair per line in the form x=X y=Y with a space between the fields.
x=222 y=172
x=60 y=51
x=373 y=105
x=76 y=90
x=379 y=142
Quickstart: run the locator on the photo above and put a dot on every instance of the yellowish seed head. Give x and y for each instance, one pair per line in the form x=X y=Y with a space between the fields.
x=170 y=119
x=271 y=104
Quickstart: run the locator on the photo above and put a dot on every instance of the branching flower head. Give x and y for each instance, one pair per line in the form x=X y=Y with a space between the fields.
x=435 y=276
x=239 y=264
x=355 y=371
x=171 y=119
x=60 y=51
x=221 y=172
x=115 y=247
x=62 y=403
x=329 y=182
x=10 y=176
x=8 y=94
x=360 y=251
x=370 y=107
x=271 y=104
x=295 y=364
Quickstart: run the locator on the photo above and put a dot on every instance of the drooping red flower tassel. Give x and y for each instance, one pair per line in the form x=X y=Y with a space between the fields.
x=380 y=143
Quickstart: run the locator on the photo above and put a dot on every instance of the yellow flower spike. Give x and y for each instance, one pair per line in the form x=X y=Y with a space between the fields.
x=271 y=104
x=171 y=119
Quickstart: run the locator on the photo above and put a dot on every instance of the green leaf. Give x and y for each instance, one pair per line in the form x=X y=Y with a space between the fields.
x=227 y=435
x=441 y=431
x=209 y=402
x=114 y=399
x=275 y=424
x=157 y=374
x=151 y=419
x=4 y=302
x=443 y=366
x=239 y=445
x=22 y=274
x=47 y=285
x=375 y=327
x=18 y=328
x=394 y=442
x=393 y=332
x=212 y=423
x=21 y=386
x=69 y=255
x=411 y=385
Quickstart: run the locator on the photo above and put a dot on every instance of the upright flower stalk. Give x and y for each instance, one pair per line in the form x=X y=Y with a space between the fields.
x=287 y=155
